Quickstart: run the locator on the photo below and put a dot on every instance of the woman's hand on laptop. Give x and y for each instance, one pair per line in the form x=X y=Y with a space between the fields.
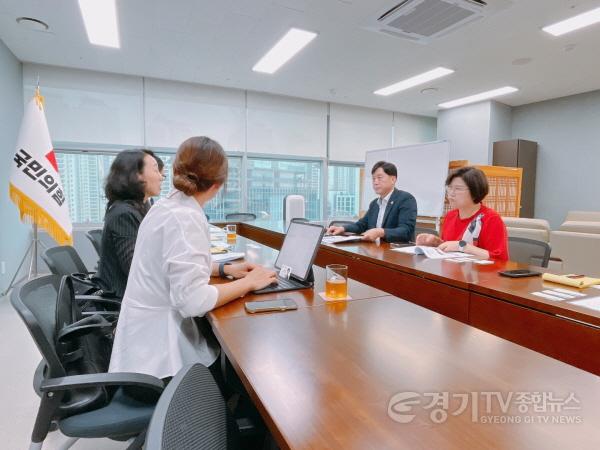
x=239 y=270
x=259 y=277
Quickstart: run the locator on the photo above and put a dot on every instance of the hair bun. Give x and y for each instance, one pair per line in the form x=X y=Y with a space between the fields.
x=185 y=184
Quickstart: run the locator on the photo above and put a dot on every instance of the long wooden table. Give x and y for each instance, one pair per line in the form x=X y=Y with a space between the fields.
x=344 y=375
x=470 y=293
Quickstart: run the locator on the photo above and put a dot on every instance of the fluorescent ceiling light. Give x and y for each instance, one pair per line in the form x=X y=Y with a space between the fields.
x=574 y=23
x=478 y=97
x=100 y=19
x=290 y=44
x=434 y=74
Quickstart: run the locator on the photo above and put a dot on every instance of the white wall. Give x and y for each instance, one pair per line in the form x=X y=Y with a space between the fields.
x=468 y=130
x=500 y=125
x=13 y=234
x=116 y=110
x=567 y=131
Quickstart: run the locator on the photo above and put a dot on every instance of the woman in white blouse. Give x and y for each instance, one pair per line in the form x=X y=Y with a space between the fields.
x=169 y=278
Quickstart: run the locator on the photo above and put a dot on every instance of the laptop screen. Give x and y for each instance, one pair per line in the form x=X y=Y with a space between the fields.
x=300 y=248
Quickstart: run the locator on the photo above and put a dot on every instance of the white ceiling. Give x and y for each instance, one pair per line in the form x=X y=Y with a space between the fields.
x=217 y=42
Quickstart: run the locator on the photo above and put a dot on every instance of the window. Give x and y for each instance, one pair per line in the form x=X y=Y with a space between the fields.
x=343 y=193
x=270 y=180
x=83 y=176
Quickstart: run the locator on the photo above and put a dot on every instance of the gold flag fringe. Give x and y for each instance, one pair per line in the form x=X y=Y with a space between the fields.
x=31 y=212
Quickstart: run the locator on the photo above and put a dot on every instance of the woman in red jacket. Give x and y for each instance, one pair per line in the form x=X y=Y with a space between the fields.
x=470 y=227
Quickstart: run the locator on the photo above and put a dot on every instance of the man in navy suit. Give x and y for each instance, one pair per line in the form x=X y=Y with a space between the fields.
x=392 y=216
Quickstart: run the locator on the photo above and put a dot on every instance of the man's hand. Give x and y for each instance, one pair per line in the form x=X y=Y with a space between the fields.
x=335 y=230
x=373 y=234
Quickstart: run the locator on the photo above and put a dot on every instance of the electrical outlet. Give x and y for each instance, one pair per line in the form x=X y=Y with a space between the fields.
x=2 y=267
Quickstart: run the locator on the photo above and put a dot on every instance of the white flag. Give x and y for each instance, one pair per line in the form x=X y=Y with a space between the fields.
x=35 y=185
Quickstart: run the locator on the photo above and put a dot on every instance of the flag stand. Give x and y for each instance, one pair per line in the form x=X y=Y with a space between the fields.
x=32 y=252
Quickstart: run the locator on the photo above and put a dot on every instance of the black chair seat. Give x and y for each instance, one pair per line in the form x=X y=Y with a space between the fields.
x=124 y=416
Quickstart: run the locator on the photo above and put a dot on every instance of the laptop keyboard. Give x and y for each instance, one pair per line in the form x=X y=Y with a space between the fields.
x=285 y=283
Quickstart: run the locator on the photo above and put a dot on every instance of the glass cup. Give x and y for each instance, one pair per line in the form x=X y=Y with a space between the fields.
x=231 y=231
x=336 y=283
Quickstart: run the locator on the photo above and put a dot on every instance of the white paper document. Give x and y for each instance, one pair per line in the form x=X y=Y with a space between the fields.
x=430 y=252
x=226 y=257
x=548 y=296
x=329 y=239
x=590 y=303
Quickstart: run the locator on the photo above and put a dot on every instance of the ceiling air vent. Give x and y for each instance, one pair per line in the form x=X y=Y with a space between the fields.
x=425 y=20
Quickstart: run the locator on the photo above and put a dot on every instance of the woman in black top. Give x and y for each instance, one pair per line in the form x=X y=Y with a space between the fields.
x=134 y=177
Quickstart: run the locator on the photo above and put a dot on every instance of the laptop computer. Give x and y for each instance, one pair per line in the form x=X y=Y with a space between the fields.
x=297 y=254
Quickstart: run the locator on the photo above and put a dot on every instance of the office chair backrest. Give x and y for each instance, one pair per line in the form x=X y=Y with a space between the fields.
x=191 y=413
x=340 y=223
x=300 y=220
x=63 y=260
x=241 y=217
x=36 y=303
x=293 y=206
x=46 y=305
x=529 y=251
x=95 y=237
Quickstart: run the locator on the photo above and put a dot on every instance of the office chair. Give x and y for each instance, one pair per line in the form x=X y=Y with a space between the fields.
x=190 y=414
x=95 y=237
x=300 y=220
x=240 y=217
x=88 y=405
x=64 y=260
x=529 y=251
x=293 y=206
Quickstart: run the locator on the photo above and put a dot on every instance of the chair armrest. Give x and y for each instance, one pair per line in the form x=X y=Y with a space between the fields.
x=84 y=326
x=102 y=379
x=98 y=300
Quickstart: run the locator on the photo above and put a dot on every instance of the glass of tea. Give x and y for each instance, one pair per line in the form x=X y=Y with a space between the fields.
x=336 y=284
x=231 y=231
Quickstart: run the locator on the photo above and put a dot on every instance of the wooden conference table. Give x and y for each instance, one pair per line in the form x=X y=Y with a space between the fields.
x=473 y=294
x=379 y=372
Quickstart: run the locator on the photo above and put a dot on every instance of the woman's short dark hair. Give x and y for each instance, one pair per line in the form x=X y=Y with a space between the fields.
x=475 y=180
x=159 y=161
x=123 y=180
x=199 y=163
x=387 y=168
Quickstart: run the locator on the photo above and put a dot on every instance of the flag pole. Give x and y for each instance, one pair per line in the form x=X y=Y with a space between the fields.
x=32 y=252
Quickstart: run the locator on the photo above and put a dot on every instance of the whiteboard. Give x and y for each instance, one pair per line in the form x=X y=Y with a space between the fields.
x=422 y=171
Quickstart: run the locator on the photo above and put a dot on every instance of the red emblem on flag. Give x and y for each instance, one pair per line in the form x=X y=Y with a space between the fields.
x=50 y=156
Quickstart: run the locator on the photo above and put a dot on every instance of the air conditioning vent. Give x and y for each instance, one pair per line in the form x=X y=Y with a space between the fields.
x=425 y=20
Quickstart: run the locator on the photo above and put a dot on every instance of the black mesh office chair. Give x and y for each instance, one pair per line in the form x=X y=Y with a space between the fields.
x=240 y=217
x=300 y=220
x=64 y=260
x=340 y=223
x=95 y=237
x=92 y=405
x=190 y=414
x=529 y=251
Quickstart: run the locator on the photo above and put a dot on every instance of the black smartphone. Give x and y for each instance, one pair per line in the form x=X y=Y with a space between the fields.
x=281 y=304
x=519 y=273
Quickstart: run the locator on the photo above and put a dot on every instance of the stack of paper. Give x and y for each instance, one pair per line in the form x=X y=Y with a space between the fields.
x=430 y=252
x=337 y=239
x=225 y=257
